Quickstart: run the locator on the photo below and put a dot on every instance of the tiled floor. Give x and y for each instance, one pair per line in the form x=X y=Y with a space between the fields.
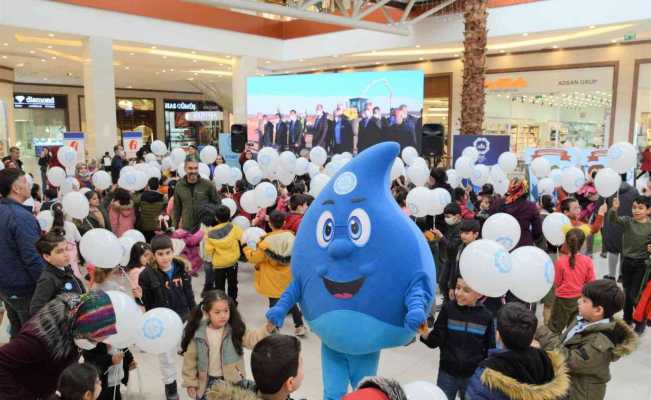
x=631 y=376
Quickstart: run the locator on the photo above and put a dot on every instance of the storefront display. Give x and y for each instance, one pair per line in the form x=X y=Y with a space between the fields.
x=551 y=108
x=642 y=115
x=132 y=114
x=40 y=121
x=192 y=123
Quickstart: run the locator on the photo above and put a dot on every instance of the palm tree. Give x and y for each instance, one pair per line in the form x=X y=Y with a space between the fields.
x=474 y=63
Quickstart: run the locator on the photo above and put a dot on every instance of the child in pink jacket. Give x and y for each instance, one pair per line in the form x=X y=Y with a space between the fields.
x=122 y=212
x=191 y=250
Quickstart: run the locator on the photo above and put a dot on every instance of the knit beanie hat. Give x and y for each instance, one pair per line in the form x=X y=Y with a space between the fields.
x=95 y=316
x=366 y=394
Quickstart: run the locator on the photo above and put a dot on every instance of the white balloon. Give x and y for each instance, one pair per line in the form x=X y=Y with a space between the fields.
x=252 y=234
x=158 y=148
x=502 y=228
x=236 y=175
x=149 y=157
x=417 y=175
x=56 y=176
x=507 y=162
x=501 y=187
x=480 y=175
x=313 y=170
x=318 y=183
x=453 y=178
x=67 y=156
x=265 y=194
x=464 y=167
x=242 y=222
x=552 y=228
x=347 y=156
x=420 y=162
x=180 y=170
x=153 y=172
x=607 y=182
x=418 y=201
x=301 y=166
x=287 y=161
x=267 y=156
x=540 y=167
x=160 y=331
x=622 y=157
x=397 y=169
x=248 y=202
x=178 y=156
x=318 y=156
x=422 y=390
x=45 y=219
x=471 y=153
x=134 y=234
x=253 y=175
x=438 y=199
x=204 y=171
x=208 y=154
x=532 y=273
x=127 y=319
x=546 y=186
x=75 y=205
x=130 y=181
x=572 y=179
x=557 y=176
x=249 y=164
x=285 y=177
x=230 y=203
x=101 y=248
x=69 y=185
x=167 y=163
x=101 y=180
x=485 y=266
x=497 y=174
x=409 y=155
x=127 y=243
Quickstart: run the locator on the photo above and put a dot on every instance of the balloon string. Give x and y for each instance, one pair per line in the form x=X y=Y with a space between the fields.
x=129 y=280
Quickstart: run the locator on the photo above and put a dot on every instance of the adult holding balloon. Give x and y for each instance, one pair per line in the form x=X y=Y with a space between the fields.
x=524 y=211
x=192 y=192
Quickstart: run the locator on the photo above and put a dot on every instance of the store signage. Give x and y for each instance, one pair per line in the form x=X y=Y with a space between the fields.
x=552 y=81
x=39 y=101
x=76 y=141
x=132 y=142
x=204 y=116
x=181 y=106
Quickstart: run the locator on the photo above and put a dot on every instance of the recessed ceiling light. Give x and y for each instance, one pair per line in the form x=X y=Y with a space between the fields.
x=42 y=59
x=194 y=61
x=344 y=66
x=45 y=79
x=456 y=55
x=32 y=52
x=613 y=41
x=221 y=65
x=171 y=69
x=20 y=65
x=153 y=47
x=49 y=47
x=165 y=57
x=157 y=72
x=300 y=60
x=194 y=52
x=50 y=34
x=196 y=73
x=164 y=71
x=420 y=58
x=129 y=87
x=190 y=79
x=502 y=51
x=132 y=54
x=4 y=57
x=69 y=74
x=5 y=44
x=592 y=26
x=377 y=63
x=525 y=34
x=418 y=46
x=127 y=67
x=53 y=58
x=267 y=62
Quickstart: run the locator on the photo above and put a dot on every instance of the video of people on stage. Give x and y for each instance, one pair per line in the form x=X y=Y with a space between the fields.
x=341 y=112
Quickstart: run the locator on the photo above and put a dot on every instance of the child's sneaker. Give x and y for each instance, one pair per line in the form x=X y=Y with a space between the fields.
x=639 y=328
x=300 y=331
x=171 y=392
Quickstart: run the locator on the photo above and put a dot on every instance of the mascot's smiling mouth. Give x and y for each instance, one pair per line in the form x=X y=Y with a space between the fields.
x=343 y=290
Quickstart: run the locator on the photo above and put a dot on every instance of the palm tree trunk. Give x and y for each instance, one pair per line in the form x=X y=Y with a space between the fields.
x=474 y=63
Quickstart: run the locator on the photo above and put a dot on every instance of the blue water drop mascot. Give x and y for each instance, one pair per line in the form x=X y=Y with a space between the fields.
x=362 y=271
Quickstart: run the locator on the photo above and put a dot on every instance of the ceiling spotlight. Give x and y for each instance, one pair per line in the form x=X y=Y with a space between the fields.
x=267 y=62
x=344 y=66
x=171 y=69
x=420 y=58
x=5 y=44
x=190 y=79
x=554 y=47
x=456 y=55
x=502 y=51
x=129 y=87
x=153 y=47
x=53 y=58
x=377 y=63
x=20 y=65
x=4 y=57
x=164 y=71
x=49 y=47
x=194 y=52
x=42 y=59
x=196 y=73
x=50 y=34
x=164 y=57
x=157 y=72
x=45 y=79
x=127 y=67
x=194 y=61
x=230 y=57
x=69 y=74
x=418 y=46
x=613 y=41
x=592 y=26
x=132 y=54
x=525 y=34
x=32 y=52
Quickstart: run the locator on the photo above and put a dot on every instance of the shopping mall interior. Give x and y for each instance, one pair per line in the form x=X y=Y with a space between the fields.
x=558 y=73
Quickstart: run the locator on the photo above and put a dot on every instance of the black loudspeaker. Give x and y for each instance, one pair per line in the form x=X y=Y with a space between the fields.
x=238 y=138
x=433 y=140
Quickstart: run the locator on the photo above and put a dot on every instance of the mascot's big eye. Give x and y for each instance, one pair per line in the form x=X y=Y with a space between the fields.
x=325 y=229
x=359 y=227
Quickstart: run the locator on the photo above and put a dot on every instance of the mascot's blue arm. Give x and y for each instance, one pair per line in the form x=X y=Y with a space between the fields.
x=290 y=296
x=418 y=301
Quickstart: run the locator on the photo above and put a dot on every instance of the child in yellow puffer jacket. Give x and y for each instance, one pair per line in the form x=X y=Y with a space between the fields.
x=222 y=246
x=272 y=257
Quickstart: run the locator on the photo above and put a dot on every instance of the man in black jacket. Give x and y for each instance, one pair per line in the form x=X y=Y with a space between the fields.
x=118 y=162
x=369 y=131
x=341 y=132
x=281 y=133
x=320 y=136
x=295 y=133
x=267 y=138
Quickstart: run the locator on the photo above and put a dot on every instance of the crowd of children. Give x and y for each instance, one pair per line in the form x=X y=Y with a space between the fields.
x=490 y=348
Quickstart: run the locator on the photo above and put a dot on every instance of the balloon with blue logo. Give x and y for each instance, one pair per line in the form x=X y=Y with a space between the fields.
x=552 y=228
x=265 y=194
x=249 y=164
x=287 y=161
x=253 y=175
x=56 y=176
x=160 y=330
x=301 y=166
x=127 y=319
x=532 y=273
x=67 y=156
x=486 y=266
x=480 y=175
x=607 y=182
x=502 y=228
x=572 y=179
x=318 y=183
x=556 y=175
x=417 y=201
x=101 y=180
x=248 y=202
x=267 y=156
x=622 y=157
x=437 y=200
x=362 y=272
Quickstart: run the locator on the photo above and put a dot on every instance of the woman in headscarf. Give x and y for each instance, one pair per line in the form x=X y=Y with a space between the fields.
x=524 y=211
x=32 y=361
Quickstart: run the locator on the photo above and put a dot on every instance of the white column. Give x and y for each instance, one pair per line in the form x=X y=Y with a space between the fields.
x=99 y=96
x=7 y=125
x=243 y=67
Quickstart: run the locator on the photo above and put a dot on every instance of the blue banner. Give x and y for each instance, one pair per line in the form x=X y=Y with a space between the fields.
x=489 y=146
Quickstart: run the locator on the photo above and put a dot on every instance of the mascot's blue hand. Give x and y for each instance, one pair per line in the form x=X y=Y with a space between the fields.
x=277 y=316
x=414 y=319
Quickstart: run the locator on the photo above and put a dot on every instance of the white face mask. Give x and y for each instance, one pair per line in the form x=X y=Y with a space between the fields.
x=450 y=220
x=85 y=344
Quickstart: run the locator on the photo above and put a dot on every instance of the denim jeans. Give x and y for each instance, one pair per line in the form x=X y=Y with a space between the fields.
x=451 y=385
x=17 y=310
